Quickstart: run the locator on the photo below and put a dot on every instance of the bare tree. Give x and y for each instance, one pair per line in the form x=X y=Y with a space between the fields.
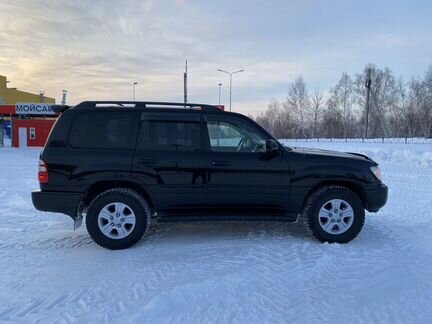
x=298 y=102
x=317 y=103
x=398 y=108
x=383 y=97
x=277 y=120
x=342 y=96
x=399 y=120
x=416 y=102
x=332 y=120
x=426 y=111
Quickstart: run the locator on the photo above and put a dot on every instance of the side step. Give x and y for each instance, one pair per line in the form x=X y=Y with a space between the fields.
x=167 y=218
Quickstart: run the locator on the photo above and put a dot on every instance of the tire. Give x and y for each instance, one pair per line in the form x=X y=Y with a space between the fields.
x=326 y=225
x=118 y=218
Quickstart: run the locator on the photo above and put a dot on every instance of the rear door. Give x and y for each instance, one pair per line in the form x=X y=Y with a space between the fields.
x=169 y=161
x=241 y=174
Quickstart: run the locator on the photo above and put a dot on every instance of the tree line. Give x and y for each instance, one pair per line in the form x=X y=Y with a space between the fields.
x=397 y=108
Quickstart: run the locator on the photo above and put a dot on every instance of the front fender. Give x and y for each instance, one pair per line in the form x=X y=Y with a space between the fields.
x=309 y=179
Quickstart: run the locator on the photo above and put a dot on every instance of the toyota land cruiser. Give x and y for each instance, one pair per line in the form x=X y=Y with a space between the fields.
x=120 y=164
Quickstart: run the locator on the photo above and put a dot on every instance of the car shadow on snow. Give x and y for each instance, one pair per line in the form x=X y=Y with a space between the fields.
x=208 y=232
x=371 y=236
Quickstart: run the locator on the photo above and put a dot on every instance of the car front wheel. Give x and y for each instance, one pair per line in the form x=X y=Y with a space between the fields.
x=334 y=214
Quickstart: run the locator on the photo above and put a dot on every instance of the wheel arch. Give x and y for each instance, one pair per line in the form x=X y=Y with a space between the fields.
x=101 y=186
x=354 y=187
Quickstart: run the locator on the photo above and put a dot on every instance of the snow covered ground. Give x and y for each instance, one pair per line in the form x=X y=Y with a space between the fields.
x=222 y=272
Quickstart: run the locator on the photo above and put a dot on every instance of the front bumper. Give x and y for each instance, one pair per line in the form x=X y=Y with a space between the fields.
x=376 y=197
x=57 y=202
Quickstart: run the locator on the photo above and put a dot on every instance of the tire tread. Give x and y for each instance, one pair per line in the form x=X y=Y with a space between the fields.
x=127 y=192
x=309 y=206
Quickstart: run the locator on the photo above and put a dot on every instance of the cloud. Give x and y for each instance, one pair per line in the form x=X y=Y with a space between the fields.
x=96 y=49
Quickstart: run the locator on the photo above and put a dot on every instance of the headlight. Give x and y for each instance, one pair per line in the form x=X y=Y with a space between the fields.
x=377 y=172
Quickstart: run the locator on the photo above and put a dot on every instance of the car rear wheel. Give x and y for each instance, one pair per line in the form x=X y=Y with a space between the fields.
x=118 y=218
x=334 y=214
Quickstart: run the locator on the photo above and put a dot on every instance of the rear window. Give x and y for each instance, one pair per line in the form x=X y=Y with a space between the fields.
x=103 y=130
x=169 y=136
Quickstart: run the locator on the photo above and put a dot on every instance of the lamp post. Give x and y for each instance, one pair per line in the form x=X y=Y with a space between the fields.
x=134 y=85
x=220 y=85
x=230 y=81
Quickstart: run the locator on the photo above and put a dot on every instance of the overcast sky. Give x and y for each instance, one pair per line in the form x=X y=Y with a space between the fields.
x=96 y=49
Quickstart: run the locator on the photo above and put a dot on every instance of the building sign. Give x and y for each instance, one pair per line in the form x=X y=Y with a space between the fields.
x=28 y=108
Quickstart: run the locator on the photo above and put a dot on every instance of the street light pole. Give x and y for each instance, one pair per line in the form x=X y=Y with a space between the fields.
x=220 y=85
x=230 y=90
x=134 y=84
x=230 y=82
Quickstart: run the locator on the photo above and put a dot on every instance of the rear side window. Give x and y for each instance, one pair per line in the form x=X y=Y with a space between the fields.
x=169 y=136
x=104 y=130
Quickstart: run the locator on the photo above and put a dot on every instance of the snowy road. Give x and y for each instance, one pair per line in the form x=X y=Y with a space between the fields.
x=222 y=272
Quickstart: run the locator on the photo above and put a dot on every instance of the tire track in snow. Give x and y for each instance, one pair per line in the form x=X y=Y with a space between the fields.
x=166 y=273
x=52 y=243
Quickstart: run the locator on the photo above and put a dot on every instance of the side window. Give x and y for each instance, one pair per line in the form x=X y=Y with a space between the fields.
x=103 y=130
x=234 y=136
x=169 y=136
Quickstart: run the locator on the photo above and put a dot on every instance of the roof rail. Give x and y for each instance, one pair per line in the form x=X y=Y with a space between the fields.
x=146 y=104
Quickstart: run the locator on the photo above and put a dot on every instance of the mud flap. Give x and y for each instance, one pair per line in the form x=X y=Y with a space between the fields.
x=79 y=216
x=78 y=221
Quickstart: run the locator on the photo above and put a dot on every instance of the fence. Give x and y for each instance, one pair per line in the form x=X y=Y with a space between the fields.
x=403 y=140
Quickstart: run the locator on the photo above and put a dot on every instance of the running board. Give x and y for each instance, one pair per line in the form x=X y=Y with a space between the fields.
x=288 y=218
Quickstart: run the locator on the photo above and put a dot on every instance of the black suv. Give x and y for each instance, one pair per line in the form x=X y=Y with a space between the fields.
x=122 y=163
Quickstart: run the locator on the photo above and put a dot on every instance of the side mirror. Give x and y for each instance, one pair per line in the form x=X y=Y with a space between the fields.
x=272 y=146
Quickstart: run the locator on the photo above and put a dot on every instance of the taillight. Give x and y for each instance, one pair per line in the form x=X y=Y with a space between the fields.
x=43 y=172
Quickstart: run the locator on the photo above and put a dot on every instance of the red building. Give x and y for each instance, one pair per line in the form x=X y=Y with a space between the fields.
x=31 y=123
x=30 y=132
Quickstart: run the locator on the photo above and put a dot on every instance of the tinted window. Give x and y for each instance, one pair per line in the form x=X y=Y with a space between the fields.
x=234 y=136
x=103 y=130
x=170 y=136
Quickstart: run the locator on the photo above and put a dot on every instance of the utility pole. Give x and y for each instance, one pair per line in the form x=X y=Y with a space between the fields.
x=368 y=89
x=185 y=84
x=220 y=85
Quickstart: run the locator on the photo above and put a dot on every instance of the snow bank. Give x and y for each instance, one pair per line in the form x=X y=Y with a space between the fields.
x=392 y=140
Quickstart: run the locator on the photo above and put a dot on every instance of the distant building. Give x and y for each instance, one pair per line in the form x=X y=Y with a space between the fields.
x=10 y=96
x=25 y=117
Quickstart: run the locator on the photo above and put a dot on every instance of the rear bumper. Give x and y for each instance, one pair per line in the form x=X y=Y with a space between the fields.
x=376 y=197
x=57 y=202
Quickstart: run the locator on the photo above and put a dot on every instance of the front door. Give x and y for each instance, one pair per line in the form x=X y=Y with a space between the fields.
x=22 y=136
x=168 y=159
x=242 y=174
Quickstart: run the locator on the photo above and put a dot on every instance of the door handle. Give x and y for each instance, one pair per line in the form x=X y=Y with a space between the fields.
x=221 y=163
